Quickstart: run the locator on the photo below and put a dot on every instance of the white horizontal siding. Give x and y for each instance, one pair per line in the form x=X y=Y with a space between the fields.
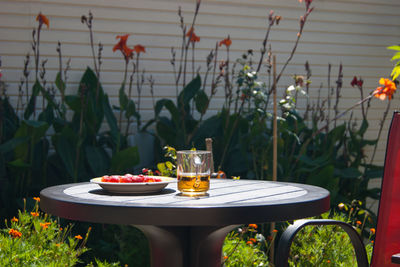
x=352 y=32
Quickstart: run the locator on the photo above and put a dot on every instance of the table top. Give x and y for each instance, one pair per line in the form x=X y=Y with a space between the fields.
x=228 y=202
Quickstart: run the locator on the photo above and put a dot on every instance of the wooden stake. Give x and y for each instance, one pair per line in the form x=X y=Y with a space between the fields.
x=275 y=153
x=275 y=125
x=209 y=148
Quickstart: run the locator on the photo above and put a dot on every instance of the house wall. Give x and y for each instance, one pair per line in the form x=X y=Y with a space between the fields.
x=352 y=32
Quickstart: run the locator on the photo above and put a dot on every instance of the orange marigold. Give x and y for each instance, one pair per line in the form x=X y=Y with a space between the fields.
x=275 y=231
x=372 y=230
x=249 y=243
x=35 y=214
x=78 y=237
x=43 y=19
x=253 y=225
x=37 y=199
x=358 y=222
x=387 y=90
x=253 y=240
x=45 y=225
x=14 y=219
x=15 y=233
x=227 y=42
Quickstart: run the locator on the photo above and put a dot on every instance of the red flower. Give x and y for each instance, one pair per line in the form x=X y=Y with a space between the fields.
x=227 y=42
x=139 y=48
x=357 y=82
x=387 y=90
x=193 y=37
x=121 y=45
x=42 y=19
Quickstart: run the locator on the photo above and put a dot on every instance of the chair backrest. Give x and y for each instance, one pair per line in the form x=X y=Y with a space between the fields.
x=387 y=239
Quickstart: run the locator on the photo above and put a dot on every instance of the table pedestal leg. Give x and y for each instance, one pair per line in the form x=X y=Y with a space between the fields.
x=186 y=246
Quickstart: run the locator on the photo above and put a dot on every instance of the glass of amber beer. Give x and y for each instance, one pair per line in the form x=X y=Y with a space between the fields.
x=193 y=172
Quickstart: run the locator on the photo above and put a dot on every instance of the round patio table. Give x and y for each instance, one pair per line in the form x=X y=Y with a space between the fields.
x=187 y=231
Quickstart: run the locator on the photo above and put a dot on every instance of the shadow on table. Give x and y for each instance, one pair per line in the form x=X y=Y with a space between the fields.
x=106 y=193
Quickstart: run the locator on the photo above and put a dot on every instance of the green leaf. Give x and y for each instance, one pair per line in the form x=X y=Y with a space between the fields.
x=32 y=101
x=67 y=153
x=170 y=106
x=395 y=72
x=349 y=173
x=201 y=101
x=111 y=120
x=124 y=159
x=363 y=128
x=97 y=159
x=60 y=83
x=18 y=163
x=394 y=47
x=47 y=115
x=131 y=109
x=123 y=98
x=11 y=144
x=73 y=102
x=396 y=56
x=189 y=91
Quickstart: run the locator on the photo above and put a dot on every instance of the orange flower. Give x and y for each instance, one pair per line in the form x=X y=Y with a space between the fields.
x=14 y=233
x=14 y=219
x=37 y=199
x=275 y=231
x=249 y=243
x=372 y=242
x=43 y=19
x=121 y=45
x=139 y=48
x=253 y=240
x=34 y=214
x=58 y=245
x=227 y=42
x=252 y=225
x=328 y=261
x=45 y=225
x=372 y=230
x=193 y=37
x=225 y=257
x=387 y=90
x=78 y=237
x=358 y=222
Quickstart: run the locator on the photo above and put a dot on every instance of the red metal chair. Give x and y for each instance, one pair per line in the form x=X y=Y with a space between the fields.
x=387 y=238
